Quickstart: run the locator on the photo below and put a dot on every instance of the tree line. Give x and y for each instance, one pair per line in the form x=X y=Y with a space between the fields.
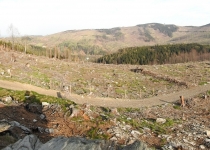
x=58 y=52
x=158 y=54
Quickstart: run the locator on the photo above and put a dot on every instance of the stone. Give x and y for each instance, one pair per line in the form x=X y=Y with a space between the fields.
x=135 y=134
x=131 y=140
x=146 y=129
x=14 y=123
x=49 y=130
x=180 y=126
x=30 y=142
x=45 y=104
x=114 y=111
x=71 y=106
x=161 y=120
x=208 y=133
x=128 y=127
x=42 y=116
x=113 y=138
x=7 y=99
x=167 y=147
x=75 y=112
x=27 y=130
x=4 y=126
x=202 y=147
x=40 y=129
x=34 y=120
x=207 y=142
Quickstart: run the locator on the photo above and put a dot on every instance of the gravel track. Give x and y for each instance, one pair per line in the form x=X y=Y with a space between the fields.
x=111 y=102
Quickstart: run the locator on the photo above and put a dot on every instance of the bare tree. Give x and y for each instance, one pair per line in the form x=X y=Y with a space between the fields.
x=25 y=40
x=13 y=32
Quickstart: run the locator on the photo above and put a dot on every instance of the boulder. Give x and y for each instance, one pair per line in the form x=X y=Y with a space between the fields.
x=137 y=145
x=74 y=143
x=30 y=142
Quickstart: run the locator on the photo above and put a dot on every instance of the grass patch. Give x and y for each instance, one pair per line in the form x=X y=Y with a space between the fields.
x=202 y=83
x=34 y=97
x=151 y=124
x=94 y=133
x=176 y=107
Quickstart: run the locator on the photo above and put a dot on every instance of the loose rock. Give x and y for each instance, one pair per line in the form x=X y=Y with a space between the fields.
x=160 y=120
x=4 y=126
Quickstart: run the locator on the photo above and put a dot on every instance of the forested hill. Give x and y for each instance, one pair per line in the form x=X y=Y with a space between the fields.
x=104 y=41
x=159 y=54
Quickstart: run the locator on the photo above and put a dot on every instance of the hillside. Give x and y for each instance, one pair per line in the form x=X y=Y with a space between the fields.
x=165 y=125
x=99 y=41
x=158 y=54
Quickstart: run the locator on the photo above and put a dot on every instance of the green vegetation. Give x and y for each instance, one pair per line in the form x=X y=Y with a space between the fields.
x=147 y=123
x=93 y=134
x=159 y=54
x=82 y=45
x=176 y=107
x=203 y=83
x=34 y=97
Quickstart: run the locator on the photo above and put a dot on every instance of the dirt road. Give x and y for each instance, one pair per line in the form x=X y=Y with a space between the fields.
x=111 y=102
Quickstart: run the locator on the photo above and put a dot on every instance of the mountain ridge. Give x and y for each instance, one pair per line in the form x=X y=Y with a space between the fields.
x=103 y=41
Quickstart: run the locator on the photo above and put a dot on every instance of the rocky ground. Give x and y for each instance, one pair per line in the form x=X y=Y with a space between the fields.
x=167 y=126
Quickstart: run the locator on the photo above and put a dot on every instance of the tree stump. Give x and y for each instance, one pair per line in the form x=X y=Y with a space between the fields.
x=182 y=101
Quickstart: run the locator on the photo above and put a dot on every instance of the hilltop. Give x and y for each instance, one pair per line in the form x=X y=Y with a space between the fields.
x=101 y=41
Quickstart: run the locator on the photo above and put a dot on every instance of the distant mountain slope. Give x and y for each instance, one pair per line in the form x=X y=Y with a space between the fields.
x=100 y=41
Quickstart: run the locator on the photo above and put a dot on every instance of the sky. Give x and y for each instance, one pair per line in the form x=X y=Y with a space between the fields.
x=45 y=17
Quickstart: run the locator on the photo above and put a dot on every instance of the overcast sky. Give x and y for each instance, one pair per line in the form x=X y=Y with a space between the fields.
x=43 y=17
